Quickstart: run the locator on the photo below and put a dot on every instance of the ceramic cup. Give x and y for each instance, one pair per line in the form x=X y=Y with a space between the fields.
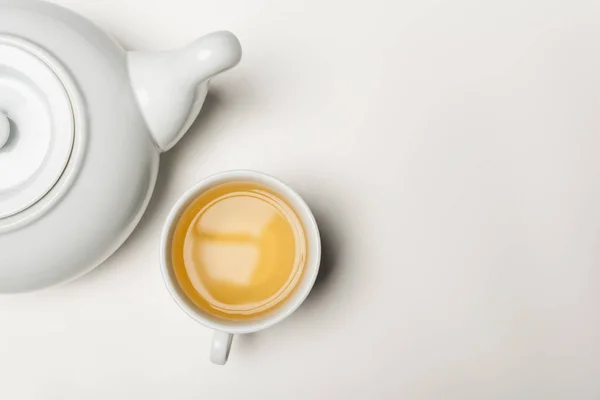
x=223 y=329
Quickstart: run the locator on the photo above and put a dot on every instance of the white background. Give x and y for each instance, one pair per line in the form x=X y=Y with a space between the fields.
x=450 y=152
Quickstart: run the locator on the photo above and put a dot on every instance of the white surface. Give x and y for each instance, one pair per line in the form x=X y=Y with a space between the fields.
x=36 y=102
x=449 y=151
x=302 y=287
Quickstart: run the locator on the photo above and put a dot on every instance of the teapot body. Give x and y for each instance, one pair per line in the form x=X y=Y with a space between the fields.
x=111 y=172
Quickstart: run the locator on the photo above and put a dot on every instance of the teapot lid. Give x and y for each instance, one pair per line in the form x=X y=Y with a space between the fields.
x=36 y=125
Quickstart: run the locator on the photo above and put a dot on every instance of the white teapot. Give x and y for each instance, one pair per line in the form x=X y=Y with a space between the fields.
x=82 y=124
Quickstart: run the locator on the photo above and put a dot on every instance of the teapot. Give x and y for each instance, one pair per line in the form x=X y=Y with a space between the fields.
x=82 y=125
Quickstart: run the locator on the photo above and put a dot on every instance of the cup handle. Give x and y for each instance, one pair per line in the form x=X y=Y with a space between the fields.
x=221 y=345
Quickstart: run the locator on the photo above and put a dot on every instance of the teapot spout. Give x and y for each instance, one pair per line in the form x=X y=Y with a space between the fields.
x=170 y=87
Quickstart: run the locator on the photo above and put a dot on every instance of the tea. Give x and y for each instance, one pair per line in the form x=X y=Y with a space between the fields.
x=238 y=250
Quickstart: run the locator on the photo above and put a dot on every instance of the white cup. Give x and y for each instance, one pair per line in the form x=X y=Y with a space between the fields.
x=224 y=329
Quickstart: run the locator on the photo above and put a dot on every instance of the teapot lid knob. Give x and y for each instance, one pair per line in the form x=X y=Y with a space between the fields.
x=4 y=129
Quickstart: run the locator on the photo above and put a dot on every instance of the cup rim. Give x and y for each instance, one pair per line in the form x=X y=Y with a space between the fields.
x=312 y=263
